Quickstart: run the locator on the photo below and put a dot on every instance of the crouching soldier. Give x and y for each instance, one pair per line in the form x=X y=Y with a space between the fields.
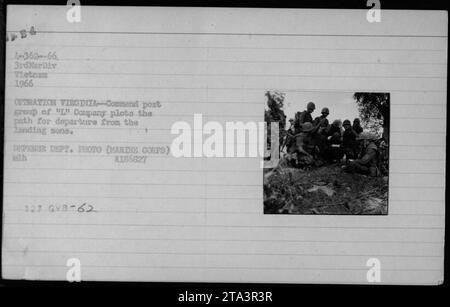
x=368 y=161
x=301 y=149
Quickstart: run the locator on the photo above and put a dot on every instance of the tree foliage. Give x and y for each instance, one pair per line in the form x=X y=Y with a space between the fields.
x=374 y=110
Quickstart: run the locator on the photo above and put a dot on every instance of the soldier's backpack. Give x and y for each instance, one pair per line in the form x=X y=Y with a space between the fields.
x=297 y=124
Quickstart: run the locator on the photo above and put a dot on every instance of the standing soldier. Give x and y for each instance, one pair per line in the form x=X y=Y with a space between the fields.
x=304 y=117
x=320 y=124
x=349 y=140
x=368 y=161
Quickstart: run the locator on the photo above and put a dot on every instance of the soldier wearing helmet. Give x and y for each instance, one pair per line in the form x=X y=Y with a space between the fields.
x=368 y=161
x=303 y=147
x=349 y=140
x=334 y=129
x=322 y=121
x=333 y=151
x=321 y=124
x=304 y=117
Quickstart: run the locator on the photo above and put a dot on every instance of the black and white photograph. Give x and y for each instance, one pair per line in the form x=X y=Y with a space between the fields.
x=334 y=153
x=223 y=147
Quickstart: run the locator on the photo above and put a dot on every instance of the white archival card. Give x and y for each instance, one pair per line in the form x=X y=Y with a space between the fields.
x=91 y=181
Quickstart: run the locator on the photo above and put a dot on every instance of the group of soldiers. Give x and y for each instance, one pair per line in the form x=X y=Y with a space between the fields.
x=312 y=141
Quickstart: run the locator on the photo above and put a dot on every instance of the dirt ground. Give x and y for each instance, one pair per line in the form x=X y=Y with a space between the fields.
x=324 y=190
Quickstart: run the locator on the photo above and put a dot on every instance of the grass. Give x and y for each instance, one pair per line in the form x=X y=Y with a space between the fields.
x=298 y=191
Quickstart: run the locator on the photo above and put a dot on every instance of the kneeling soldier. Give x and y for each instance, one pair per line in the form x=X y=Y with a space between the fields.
x=367 y=163
x=302 y=146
